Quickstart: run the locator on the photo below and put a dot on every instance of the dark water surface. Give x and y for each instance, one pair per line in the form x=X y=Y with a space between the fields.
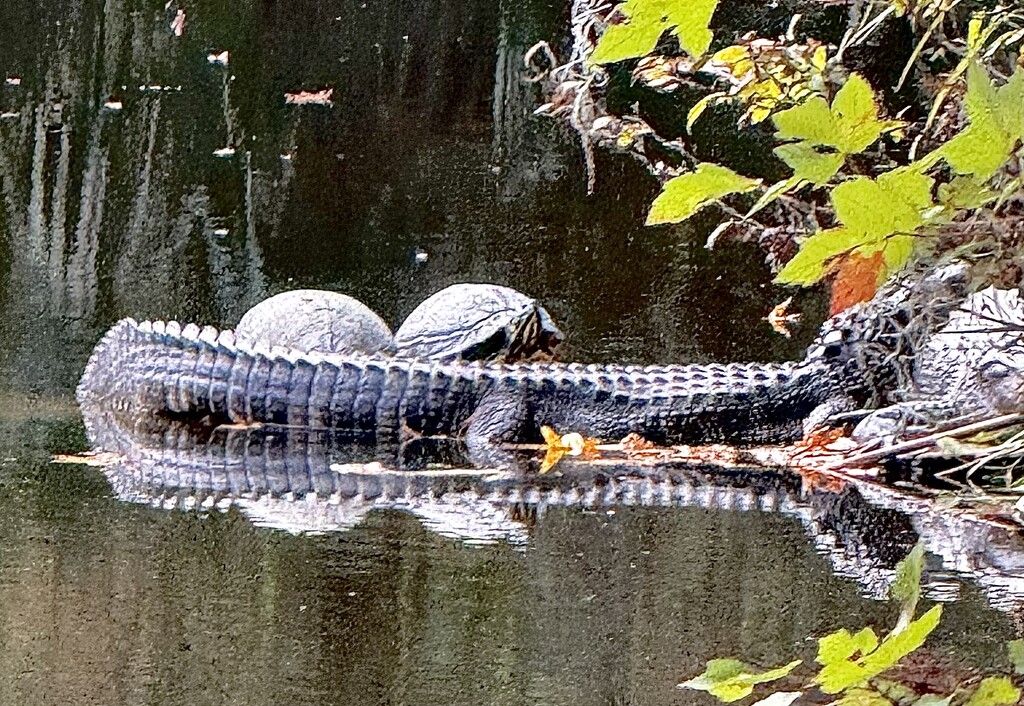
x=138 y=178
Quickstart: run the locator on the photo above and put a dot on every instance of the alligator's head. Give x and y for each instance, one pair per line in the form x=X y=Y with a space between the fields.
x=975 y=363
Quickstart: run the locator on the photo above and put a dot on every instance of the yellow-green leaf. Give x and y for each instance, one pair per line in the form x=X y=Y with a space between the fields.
x=849 y=661
x=909 y=185
x=849 y=126
x=994 y=691
x=841 y=646
x=996 y=126
x=684 y=195
x=933 y=700
x=731 y=680
x=647 y=20
x=773 y=192
x=629 y=40
x=897 y=252
x=810 y=121
x=808 y=265
x=907 y=586
x=966 y=191
x=808 y=163
x=891 y=205
x=700 y=106
x=1015 y=651
x=856 y=114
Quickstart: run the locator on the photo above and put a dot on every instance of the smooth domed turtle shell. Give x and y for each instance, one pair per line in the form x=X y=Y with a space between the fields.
x=315 y=320
x=478 y=322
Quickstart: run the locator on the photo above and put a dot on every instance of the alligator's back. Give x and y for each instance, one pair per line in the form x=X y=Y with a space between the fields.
x=156 y=368
x=148 y=369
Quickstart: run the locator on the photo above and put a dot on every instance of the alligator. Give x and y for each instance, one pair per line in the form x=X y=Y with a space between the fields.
x=862 y=358
x=304 y=480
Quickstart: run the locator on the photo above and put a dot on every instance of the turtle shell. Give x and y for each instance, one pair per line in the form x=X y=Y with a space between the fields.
x=315 y=320
x=478 y=322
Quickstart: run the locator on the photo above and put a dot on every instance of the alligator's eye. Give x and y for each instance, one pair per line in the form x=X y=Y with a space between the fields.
x=995 y=370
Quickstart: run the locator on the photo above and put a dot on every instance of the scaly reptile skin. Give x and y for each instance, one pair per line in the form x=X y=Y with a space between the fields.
x=154 y=368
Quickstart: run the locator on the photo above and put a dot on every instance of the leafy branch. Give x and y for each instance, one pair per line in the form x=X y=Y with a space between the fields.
x=850 y=663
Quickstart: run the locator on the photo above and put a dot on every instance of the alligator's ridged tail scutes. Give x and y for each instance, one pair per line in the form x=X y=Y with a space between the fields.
x=153 y=366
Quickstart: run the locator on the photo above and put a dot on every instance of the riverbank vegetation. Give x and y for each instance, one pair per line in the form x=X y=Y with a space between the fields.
x=865 y=135
x=859 y=669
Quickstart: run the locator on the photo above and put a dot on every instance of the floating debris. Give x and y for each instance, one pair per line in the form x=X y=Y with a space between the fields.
x=224 y=152
x=96 y=459
x=221 y=58
x=780 y=317
x=310 y=97
x=178 y=23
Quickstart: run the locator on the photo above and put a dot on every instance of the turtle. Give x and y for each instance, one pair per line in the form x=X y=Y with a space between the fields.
x=316 y=321
x=472 y=321
x=465 y=321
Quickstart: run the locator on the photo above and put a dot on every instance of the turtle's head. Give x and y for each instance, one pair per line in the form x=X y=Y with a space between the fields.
x=530 y=334
x=478 y=322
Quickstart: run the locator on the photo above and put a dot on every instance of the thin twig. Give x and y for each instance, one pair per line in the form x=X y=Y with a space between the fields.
x=999 y=422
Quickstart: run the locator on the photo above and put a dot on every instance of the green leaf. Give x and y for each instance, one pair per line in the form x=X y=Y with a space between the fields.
x=731 y=680
x=841 y=646
x=877 y=209
x=856 y=115
x=647 y=20
x=896 y=253
x=1015 y=650
x=808 y=163
x=994 y=691
x=685 y=195
x=907 y=587
x=810 y=121
x=702 y=105
x=966 y=191
x=849 y=661
x=933 y=700
x=808 y=265
x=980 y=150
x=773 y=192
x=910 y=185
x=996 y=116
x=850 y=126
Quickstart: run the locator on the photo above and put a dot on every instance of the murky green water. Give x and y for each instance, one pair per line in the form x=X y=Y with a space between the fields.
x=119 y=196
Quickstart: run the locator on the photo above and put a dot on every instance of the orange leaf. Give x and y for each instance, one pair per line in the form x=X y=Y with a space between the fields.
x=856 y=280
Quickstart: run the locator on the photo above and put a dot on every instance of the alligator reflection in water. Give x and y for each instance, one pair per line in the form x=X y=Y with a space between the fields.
x=303 y=480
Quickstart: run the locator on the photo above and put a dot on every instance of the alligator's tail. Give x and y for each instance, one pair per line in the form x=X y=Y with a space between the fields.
x=157 y=367
x=154 y=368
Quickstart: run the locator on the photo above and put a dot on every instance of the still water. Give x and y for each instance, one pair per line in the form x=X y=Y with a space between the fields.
x=145 y=173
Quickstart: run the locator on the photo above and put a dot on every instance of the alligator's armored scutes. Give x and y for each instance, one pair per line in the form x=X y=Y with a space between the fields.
x=156 y=368
x=897 y=351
